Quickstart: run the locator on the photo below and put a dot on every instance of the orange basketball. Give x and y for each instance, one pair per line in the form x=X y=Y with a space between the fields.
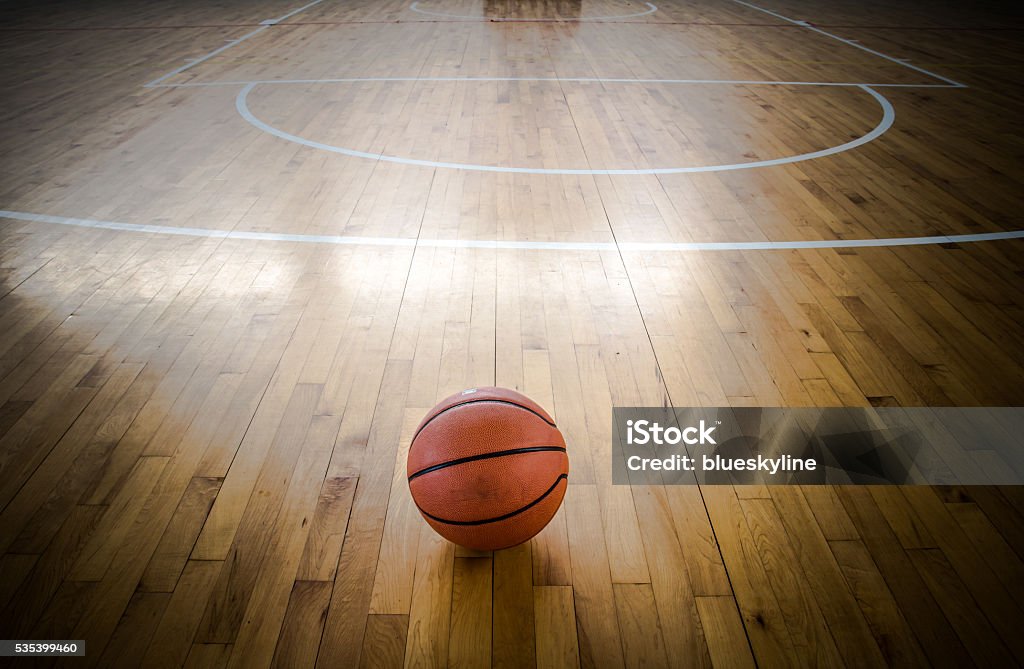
x=487 y=468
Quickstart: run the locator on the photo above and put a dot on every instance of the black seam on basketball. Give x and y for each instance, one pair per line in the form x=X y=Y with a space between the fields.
x=499 y=518
x=486 y=456
x=462 y=404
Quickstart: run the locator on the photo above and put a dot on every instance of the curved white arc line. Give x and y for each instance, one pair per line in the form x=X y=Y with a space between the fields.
x=232 y=43
x=412 y=242
x=854 y=44
x=888 y=117
x=415 y=7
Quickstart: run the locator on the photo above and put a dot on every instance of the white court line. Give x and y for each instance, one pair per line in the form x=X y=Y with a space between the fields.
x=156 y=82
x=898 y=61
x=415 y=7
x=584 y=80
x=264 y=25
x=888 y=117
x=411 y=242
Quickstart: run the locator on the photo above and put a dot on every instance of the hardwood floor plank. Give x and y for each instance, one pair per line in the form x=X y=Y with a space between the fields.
x=353 y=586
x=695 y=531
x=967 y=619
x=303 y=624
x=989 y=543
x=934 y=631
x=208 y=656
x=52 y=568
x=642 y=639
x=396 y=567
x=271 y=427
x=557 y=643
x=848 y=627
x=981 y=581
x=172 y=553
x=513 y=644
x=384 y=642
x=807 y=624
x=266 y=610
x=599 y=642
x=172 y=643
x=682 y=642
x=91 y=464
x=117 y=520
x=552 y=564
x=327 y=530
x=136 y=629
x=14 y=567
x=64 y=611
x=469 y=642
x=42 y=482
x=235 y=585
x=727 y=641
x=832 y=518
x=30 y=440
x=893 y=634
x=759 y=608
x=430 y=615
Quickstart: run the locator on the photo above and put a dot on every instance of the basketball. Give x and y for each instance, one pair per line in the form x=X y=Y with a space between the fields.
x=487 y=468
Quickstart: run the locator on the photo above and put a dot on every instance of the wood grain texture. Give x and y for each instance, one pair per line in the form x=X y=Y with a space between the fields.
x=513 y=643
x=643 y=643
x=173 y=640
x=557 y=641
x=327 y=530
x=384 y=641
x=430 y=616
x=469 y=640
x=727 y=641
x=176 y=544
x=303 y=624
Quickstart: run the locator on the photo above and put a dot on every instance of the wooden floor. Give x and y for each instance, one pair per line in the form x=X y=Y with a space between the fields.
x=202 y=437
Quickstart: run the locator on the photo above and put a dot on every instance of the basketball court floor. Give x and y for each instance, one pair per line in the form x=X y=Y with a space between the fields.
x=245 y=246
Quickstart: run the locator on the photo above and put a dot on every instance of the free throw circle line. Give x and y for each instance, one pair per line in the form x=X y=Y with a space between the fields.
x=888 y=118
x=412 y=242
x=416 y=8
